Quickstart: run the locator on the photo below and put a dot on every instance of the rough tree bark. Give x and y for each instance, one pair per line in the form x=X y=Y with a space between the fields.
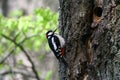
x=91 y=29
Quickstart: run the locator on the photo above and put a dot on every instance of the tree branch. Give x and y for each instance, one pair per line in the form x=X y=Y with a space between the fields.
x=16 y=36
x=23 y=50
x=26 y=38
x=3 y=60
x=23 y=72
x=33 y=66
x=12 y=40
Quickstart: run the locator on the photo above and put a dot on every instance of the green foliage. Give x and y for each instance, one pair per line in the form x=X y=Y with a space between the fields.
x=49 y=75
x=16 y=13
x=1 y=66
x=20 y=62
x=32 y=28
x=41 y=57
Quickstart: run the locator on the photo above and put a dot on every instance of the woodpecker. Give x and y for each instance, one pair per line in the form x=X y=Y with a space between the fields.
x=57 y=45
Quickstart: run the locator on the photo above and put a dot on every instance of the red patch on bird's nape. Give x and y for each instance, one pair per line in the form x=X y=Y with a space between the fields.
x=63 y=51
x=47 y=35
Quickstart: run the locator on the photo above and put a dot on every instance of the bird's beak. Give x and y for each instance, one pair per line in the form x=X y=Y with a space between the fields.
x=55 y=30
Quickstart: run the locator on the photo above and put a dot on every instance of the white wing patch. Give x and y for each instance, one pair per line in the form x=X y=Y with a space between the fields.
x=54 y=45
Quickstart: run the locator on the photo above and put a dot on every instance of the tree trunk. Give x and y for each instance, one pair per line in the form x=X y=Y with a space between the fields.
x=91 y=29
x=4 y=7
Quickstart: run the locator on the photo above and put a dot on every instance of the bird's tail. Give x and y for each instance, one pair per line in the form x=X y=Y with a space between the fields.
x=62 y=59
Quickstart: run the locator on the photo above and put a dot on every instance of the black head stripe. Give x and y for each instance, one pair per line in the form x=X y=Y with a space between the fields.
x=49 y=31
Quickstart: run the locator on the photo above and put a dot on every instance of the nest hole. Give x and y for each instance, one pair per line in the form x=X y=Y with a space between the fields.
x=98 y=11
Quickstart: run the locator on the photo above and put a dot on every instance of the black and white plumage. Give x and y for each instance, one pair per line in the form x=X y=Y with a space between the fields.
x=57 y=45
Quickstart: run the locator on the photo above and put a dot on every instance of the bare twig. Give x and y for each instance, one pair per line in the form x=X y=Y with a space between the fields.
x=16 y=71
x=3 y=60
x=26 y=38
x=23 y=50
x=33 y=66
x=11 y=70
x=12 y=40
x=16 y=36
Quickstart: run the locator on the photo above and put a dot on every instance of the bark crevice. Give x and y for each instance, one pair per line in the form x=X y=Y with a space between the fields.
x=90 y=51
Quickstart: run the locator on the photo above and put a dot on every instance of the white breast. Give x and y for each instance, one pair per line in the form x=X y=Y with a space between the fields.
x=62 y=41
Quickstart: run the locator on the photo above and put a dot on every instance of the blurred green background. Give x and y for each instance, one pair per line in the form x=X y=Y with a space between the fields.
x=26 y=26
